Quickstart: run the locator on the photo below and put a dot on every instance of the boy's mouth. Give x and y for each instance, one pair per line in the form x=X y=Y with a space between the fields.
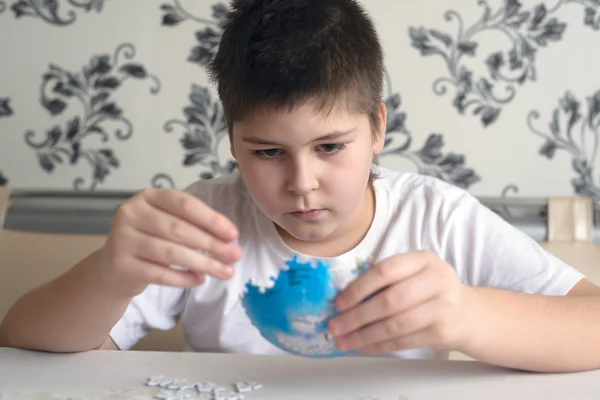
x=308 y=214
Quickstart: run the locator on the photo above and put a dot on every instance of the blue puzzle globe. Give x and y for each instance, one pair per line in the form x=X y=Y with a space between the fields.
x=294 y=312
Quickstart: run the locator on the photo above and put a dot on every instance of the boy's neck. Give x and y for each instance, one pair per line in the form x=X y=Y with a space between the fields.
x=345 y=238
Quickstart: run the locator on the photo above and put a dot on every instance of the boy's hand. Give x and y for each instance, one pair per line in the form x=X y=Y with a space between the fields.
x=416 y=300
x=158 y=228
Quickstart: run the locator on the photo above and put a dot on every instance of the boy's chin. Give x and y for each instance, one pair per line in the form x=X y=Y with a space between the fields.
x=307 y=234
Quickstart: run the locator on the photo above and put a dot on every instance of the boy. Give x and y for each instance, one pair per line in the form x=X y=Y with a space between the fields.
x=301 y=85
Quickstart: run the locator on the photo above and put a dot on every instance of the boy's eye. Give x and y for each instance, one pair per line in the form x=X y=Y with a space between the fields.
x=332 y=147
x=329 y=148
x=267 y=153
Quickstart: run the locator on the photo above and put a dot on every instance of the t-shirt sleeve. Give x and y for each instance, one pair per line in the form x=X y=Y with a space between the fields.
x=156 y=308
x=488 y=251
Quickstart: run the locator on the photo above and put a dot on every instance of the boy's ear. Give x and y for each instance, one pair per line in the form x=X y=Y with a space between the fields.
x=380 y=137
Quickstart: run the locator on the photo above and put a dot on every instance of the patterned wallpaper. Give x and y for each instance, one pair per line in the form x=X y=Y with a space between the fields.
x=500 y=97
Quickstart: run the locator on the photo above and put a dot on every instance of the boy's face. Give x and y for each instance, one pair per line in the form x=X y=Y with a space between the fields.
x=308 y=171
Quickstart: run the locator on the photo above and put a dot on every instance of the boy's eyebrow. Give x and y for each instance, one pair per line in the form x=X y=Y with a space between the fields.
x=329 y=136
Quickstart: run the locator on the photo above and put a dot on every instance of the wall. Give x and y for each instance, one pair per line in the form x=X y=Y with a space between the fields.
x=104 y=94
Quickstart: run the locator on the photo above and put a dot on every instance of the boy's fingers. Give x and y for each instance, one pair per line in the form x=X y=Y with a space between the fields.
x=379 y=276
x=156 y=222
x=396 y=298
x=392 y=327
x=193 y=210
x=165 y=253
x=160 y=275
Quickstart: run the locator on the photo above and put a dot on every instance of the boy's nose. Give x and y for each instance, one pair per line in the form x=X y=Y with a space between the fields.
x=302 y=179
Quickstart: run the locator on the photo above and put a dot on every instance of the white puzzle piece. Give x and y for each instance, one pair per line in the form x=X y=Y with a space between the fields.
x=181 y=389
x=177 y=384
x=188 y=386
x=244 y=387
x=159 y=381
x=206 y=387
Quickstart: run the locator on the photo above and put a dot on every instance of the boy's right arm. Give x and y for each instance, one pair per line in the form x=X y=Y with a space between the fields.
x=154 y=230
x=68 y=314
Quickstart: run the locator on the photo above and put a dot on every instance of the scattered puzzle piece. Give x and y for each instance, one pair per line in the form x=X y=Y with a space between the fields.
x=244 y=387
x=206 y=387
x=189 y=386
x=181 y=389
x=177 y=384
x=159 y=381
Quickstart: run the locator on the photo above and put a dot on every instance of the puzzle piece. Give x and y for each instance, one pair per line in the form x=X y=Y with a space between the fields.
x=189 y=386
x=159 y=381
x=181 y=389
x=243 y=387
x=178 y=384
x=206 y=387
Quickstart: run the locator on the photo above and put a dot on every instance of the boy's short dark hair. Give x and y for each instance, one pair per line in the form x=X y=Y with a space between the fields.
x=276 y=54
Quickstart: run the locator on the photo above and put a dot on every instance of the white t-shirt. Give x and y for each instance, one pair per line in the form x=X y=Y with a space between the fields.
x=425 y=214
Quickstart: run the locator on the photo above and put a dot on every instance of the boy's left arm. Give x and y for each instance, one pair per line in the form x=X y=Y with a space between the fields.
x=424 y=304
x=538 y=333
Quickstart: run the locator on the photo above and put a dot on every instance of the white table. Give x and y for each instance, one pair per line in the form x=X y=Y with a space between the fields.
x=122 y=375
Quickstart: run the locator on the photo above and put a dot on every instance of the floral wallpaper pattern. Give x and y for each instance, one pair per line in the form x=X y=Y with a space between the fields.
x=529 y=30
x=92 y=88
x=130 y=106
x=53 y=11
x=573 y=128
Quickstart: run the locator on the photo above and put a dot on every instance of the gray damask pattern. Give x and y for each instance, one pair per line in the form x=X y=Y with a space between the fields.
x=52 y=11
x=208 y=38
x=5 y=108
x=92 y=89
x=204 y=131
x=504 y=211
x=528 y=30
x=574 y=127
x=430 y=158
